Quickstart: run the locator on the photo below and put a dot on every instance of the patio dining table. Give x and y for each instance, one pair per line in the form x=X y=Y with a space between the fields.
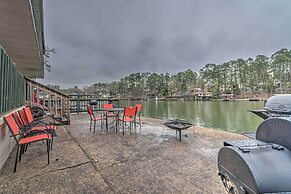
x=115 y=110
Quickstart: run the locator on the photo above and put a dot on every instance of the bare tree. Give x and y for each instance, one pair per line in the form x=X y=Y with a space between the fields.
x=46 y=56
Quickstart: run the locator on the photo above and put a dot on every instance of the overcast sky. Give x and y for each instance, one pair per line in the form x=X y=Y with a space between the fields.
x=105 y=40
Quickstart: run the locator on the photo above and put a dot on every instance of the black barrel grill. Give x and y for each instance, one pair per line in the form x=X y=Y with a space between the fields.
x=263 y=164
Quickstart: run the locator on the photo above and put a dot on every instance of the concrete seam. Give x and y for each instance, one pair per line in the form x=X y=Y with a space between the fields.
x=50 y=171
x=60 y=169
x=91 y=161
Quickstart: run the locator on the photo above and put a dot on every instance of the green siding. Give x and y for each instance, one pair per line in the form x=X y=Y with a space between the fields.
x=12 y=84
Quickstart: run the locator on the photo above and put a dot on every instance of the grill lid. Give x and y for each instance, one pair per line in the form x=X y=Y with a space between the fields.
x=279 y=103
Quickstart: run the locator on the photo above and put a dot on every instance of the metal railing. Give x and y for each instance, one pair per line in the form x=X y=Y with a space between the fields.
x=53 y=101
x=12 y=84
x=79 y=103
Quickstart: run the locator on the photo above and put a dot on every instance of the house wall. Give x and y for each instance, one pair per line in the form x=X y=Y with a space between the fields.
x=6 y=141
x=21 y=29
x=12 y=84
x=12 y=97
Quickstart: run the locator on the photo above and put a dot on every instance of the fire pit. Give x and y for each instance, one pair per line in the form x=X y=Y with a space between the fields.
x=178 y=125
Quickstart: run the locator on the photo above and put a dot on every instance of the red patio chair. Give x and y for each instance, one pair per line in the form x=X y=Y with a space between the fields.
x=24 y=138
x=110 y=114
x=20 y=124
x=129 y=115
x=23 y=117
x=107 y=105
x=139 y=108
x=94 y=118
x=30 y=124
x=37 y=123
x=17 y=119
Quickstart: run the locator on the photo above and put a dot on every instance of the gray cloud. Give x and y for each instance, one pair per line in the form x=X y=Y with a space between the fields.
x=105 y=40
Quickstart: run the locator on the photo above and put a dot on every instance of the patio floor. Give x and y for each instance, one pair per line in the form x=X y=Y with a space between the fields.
x=149 y=161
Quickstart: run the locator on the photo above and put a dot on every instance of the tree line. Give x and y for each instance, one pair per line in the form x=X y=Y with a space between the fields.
x=241 y=76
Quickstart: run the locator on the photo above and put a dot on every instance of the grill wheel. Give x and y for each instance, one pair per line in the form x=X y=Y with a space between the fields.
x=230 y=187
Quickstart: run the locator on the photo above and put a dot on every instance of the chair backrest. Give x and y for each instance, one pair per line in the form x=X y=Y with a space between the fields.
x=23 y=117
x=90 y=112
x=107 y=105
x=28 y=114
x=17 y=119
x=139 y=107
x=130 y=111
x=13 y=127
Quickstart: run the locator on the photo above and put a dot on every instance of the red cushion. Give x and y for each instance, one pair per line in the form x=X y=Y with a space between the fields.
x=34 y=138
x=127 y=119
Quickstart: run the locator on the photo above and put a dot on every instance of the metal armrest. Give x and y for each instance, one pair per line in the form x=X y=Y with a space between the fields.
x=38 y=131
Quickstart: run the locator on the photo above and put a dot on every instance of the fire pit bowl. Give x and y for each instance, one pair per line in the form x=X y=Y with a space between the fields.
x=178 y=125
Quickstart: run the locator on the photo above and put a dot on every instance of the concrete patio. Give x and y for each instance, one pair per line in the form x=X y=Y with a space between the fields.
x=149 y=161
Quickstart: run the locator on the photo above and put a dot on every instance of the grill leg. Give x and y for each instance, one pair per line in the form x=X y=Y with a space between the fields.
x=180 y=136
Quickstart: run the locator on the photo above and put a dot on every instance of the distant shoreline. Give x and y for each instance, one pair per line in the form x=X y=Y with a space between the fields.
x=186 y=99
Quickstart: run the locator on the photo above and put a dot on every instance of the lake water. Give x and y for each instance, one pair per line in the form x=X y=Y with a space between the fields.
x=229 y=116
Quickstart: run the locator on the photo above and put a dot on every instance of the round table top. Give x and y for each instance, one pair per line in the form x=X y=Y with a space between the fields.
x=111 y=109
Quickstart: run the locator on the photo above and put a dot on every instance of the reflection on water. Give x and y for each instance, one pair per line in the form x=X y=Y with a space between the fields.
x=230 y=116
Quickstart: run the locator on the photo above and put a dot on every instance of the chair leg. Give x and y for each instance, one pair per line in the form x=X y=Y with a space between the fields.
x=26 y=145
x=94 y=126
x=15 y=165
x=106 y=123
x=116 y=124
x=51 y=144
x=48 y=151
x=130 y=123
x=21 y=152
x=139 y=121
x=123 y=128
x=90 y=124
x=101 y=124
